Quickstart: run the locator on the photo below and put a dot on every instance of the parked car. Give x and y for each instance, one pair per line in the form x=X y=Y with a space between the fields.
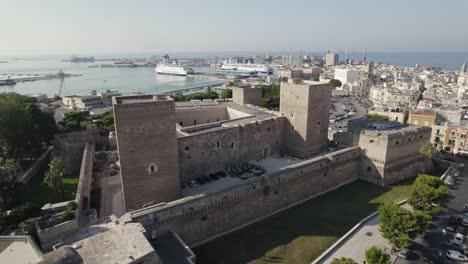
x=460 y=238
x=465 y=222
x=457 y=248
x=192 y=184
x=434 y=255
x=454 y=220
x=455 y=255
x=450 y=229
x=404 y=253
x=149 y=204
x=455 y=243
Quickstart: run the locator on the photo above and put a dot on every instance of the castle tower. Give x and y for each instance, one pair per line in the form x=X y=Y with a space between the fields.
x=306 y=105
x=145 y=127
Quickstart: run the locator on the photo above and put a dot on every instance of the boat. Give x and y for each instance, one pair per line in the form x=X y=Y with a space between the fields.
x=261 y=69
x=8 y=81
x=173 y=69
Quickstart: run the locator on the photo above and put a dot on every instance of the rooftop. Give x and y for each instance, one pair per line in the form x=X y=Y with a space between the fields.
x=421 y=112
x=140 y=98
x=18 y=249
x=111 y=242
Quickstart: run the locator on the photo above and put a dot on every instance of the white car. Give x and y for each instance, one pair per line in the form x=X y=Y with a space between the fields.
x=457 y=173
x=459 y=237
x=455 y=255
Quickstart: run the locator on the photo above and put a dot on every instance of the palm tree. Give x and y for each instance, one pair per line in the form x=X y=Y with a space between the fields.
x=54 y=177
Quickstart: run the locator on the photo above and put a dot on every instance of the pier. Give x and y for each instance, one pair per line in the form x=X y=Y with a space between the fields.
x=192 y=89
x=26 y=77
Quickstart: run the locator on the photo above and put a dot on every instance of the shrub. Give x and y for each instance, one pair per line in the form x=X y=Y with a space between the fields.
x=68 y=215
x=375 y=255
x=71 y=206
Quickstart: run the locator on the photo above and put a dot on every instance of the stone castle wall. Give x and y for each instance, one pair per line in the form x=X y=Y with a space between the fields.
x=201 y=154
x=198 y=116
x=201 y=217
x=147 y=145
x=392 y=157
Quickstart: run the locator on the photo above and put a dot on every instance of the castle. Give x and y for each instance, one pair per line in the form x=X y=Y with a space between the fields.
x=257 y=162
x=164 y=145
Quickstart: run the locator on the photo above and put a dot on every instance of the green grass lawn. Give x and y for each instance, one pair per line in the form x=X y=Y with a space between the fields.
x=39 y=193
x=302 y=233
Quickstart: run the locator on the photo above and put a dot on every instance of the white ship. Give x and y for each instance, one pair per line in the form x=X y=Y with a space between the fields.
x=173 y=69
x=246 y=67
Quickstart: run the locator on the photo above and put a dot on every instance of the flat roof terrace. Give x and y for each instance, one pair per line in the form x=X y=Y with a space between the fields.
x=140 y=98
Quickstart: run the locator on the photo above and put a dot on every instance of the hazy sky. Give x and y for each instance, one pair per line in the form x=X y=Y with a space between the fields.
x=112 y=26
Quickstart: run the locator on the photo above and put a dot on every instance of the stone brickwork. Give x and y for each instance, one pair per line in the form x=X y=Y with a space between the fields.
x=198 y=116
x=393 y=155
x=216 y=150
x=201 y=217
x=70 y=146
x=247 y=95
x=147 y=145
x=306 y=106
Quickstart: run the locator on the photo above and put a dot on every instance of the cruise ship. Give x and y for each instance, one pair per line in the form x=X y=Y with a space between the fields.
x=173 y=69
x=246 y=68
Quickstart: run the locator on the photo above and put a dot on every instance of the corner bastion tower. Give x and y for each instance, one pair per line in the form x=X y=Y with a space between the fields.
x=147 y=145
x=306 y=105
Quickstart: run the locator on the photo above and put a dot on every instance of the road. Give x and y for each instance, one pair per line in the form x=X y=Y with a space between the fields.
x=434 y=238
x=111 y=196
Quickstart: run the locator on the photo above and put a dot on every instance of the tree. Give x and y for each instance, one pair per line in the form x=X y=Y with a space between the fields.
x=23 y=126
x=270 y=96
x=378 y=117
x=335 y=83
x=75 y=120
x=317 y=78
x=428 y=151
x=284 y=79
x=427 y=192
x=423 y=219
x=54 y=177
x=105 y=122
x=343 y=260
x=230 y=84
x=397 y=224
x=9 y=169
x=375 y=255
x=226 y=93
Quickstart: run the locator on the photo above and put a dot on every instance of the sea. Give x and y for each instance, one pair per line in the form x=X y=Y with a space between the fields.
x=145 y=80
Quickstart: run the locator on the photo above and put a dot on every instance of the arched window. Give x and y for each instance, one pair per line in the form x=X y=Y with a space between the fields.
x=152 y=168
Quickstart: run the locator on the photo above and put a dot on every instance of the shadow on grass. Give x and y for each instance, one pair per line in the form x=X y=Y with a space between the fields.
x=302 y=233
x=37 y=192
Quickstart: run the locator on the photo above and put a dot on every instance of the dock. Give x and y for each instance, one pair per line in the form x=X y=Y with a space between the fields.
x=29 y=77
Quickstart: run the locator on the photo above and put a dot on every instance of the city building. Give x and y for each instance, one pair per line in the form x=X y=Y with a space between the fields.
x=332 y=59
x=82 y=102
x=422 y=118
